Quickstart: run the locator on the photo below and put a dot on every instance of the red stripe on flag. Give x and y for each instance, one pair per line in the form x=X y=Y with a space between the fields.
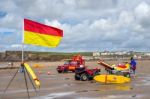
x=36 y=27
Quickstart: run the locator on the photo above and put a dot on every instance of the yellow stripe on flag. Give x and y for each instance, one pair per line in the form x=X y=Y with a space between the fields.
x=41 y=39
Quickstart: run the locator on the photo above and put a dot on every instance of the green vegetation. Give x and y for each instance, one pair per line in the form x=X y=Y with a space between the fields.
x=40 y=56
x=62 y=53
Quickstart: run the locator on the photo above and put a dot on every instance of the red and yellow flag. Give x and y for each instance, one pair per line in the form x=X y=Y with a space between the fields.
x=39 y=34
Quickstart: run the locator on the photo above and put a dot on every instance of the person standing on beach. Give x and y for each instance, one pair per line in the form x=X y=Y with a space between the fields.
x=133 y=65
x=22 y=68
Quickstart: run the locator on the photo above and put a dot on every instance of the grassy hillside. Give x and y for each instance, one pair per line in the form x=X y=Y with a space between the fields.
x=42 y=56
x=62 y=53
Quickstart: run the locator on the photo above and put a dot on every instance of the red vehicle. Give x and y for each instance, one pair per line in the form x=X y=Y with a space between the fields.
x=71 y=65
x=85 y=74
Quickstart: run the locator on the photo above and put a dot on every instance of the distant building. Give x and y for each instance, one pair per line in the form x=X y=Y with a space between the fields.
x=87 y=57
x=96 y=54
x=137 y=56
x=105 y=53
x=147 y=53
x=120 y=52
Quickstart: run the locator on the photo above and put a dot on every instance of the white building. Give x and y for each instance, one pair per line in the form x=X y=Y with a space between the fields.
x=95 y=54
x=120 y=52
x=147 y=53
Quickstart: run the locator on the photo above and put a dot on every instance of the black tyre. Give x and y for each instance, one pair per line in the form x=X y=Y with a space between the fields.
x=77 y=77
x=96 y=73
x=59 y=71
x=65 y=71
x=127 y=75
x=84 y=77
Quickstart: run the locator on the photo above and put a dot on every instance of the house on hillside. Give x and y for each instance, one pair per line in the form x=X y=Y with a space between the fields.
x=96 y=54
x=121 y=53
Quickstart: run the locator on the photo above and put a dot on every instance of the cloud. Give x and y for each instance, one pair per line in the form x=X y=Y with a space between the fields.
x=11 y=21
x=16 y=45
x=89 y=35
x=142 y=10
x=88 y=25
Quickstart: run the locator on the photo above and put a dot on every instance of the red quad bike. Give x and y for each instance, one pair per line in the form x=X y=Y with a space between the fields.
x=85 y=74
x=71 y=65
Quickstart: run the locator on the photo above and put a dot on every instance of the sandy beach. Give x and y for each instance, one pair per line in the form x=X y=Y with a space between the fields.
x=63 y=86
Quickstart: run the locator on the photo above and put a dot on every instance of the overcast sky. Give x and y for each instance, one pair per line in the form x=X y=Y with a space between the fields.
x=89 y=25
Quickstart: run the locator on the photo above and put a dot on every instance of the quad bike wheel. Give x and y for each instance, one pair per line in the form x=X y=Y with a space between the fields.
x=84 y=77
x=96 y=73
x=77 y=77
x=65 y=71
x=127 y=75
x=59 y=71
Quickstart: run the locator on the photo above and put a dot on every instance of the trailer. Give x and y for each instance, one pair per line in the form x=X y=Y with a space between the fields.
x=120 y=69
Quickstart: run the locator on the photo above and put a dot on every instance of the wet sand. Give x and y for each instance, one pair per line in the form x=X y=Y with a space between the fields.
x=63 y=86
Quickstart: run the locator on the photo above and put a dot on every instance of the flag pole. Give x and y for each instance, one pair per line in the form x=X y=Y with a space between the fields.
x=22 y=52
x=22 y=42
x=22 y=63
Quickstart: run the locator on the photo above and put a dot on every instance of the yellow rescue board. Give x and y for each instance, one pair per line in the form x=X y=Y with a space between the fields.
x=111 y=79
x=31 y=72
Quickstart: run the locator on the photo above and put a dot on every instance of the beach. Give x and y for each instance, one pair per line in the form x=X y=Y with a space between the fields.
x=64 y=86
